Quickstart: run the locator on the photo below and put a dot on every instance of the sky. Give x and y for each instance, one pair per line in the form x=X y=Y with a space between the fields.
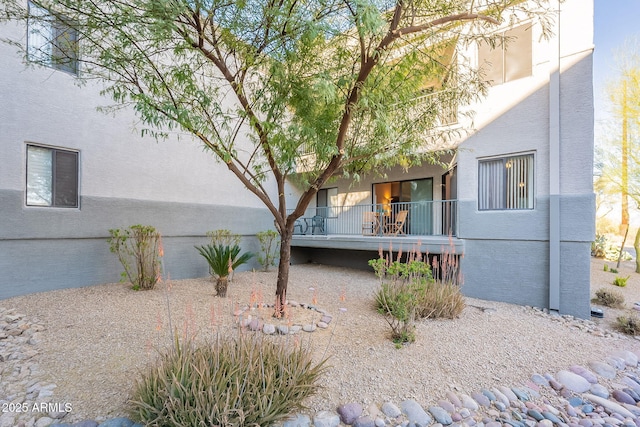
x=615 y=21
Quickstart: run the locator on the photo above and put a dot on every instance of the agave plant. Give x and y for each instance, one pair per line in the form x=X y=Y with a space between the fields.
x=223 y=259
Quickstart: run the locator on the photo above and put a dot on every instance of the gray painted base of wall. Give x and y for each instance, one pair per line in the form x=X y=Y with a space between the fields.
x=45 y=249
x=518 y=272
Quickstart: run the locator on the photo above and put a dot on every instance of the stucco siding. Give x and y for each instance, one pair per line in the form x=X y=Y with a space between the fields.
x=44 y=249
x=518 y=272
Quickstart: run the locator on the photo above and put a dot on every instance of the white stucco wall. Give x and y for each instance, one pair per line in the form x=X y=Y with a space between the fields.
x=45 y=106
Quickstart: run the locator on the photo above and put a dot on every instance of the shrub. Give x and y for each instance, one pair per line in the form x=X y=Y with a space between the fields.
x=224 y=237
x=222 y=261
x=620 y=281
x=603 y=248
x=599 y=246
x=441 y=300
x=629 y=325
x=137 y=251
x=606 y=267
x=269 y=245
x=235 y=381
x=608 y=298
x=408 y=291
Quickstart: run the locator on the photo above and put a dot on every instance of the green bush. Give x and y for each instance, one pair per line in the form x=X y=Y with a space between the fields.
x=408 y=292
x=620 y=281
x=606 y=267
x=242 y=381
x=608 y=298
x=137 y=251
x=269 y=248
x=222 y=261
x=629 y=325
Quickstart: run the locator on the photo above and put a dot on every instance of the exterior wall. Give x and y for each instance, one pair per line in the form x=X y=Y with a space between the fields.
x=124 y=179
x=537 y=257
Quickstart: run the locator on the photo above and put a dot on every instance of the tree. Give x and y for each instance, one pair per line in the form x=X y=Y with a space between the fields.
x=261 y=82
x=618 y=158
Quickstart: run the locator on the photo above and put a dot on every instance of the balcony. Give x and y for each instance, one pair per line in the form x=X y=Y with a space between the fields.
x=431 y=225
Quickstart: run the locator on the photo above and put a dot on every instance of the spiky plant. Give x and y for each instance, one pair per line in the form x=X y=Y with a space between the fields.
x=222 y=261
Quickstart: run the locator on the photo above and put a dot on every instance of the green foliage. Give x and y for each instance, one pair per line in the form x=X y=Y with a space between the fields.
x=621 y=281
x=246 y=380
x=408 y=292
x=223 y=237
x=222 y=261
x=137 y=251
x=603 y=248
x=599 y=246
x=606 y=267
x=608 y=298
x=629 y=324
x=613 y=270
x=269 y=248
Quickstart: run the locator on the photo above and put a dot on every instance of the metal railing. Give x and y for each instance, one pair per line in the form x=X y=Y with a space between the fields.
x=427 y=218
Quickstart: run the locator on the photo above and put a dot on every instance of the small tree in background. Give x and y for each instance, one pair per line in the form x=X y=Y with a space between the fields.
x=269 y=244
x=618 y=157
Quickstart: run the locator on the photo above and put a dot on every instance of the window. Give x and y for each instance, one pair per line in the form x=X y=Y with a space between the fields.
x=326 y=200
x=509 y=60
x=506 y=183
x=51 y=40
x=52 y=177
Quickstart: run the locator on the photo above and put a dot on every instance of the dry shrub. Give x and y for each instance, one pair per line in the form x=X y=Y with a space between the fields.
x=608 y=298
x=235 y=381
x=440 y=300
x=629 y=324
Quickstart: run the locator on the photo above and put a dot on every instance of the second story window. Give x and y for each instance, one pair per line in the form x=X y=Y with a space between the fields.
x=510 y=59
x=506 y=183
x=51 y=40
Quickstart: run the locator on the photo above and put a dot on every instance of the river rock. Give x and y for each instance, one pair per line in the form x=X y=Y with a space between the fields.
x=415 y=413
x=630 y=359
x=364 y=422
x=299 y=421
x=573 y=382
x=391 y=410
x=609 y=405
x=584 y=373
x=326 y=419
x=599 y=390
x=440 y=415
x=349 y=412
x=622 y=397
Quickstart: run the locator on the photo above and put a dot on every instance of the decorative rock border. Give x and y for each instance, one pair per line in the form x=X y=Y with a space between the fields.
x=248 y=321
x=573 y=397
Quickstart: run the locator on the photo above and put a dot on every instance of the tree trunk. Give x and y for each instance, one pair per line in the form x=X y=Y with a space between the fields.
x=636 y=246
x=221 y=286
x=283 y=271
x=624 y=240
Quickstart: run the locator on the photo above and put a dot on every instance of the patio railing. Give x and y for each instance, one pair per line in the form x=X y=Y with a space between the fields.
x=427 y=218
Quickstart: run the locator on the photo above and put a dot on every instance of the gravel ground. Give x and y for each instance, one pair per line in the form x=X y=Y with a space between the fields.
x=98 y=338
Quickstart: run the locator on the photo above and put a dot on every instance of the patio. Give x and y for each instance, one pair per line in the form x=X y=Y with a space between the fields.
x=428 y=225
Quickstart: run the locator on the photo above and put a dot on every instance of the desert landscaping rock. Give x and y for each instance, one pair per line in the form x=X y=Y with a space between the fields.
x=516 y=396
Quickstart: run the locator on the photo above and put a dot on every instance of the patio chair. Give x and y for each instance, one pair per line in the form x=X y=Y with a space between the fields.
x=299 y=225
x=397 y=226
x=317 y=222
x=370 y=223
